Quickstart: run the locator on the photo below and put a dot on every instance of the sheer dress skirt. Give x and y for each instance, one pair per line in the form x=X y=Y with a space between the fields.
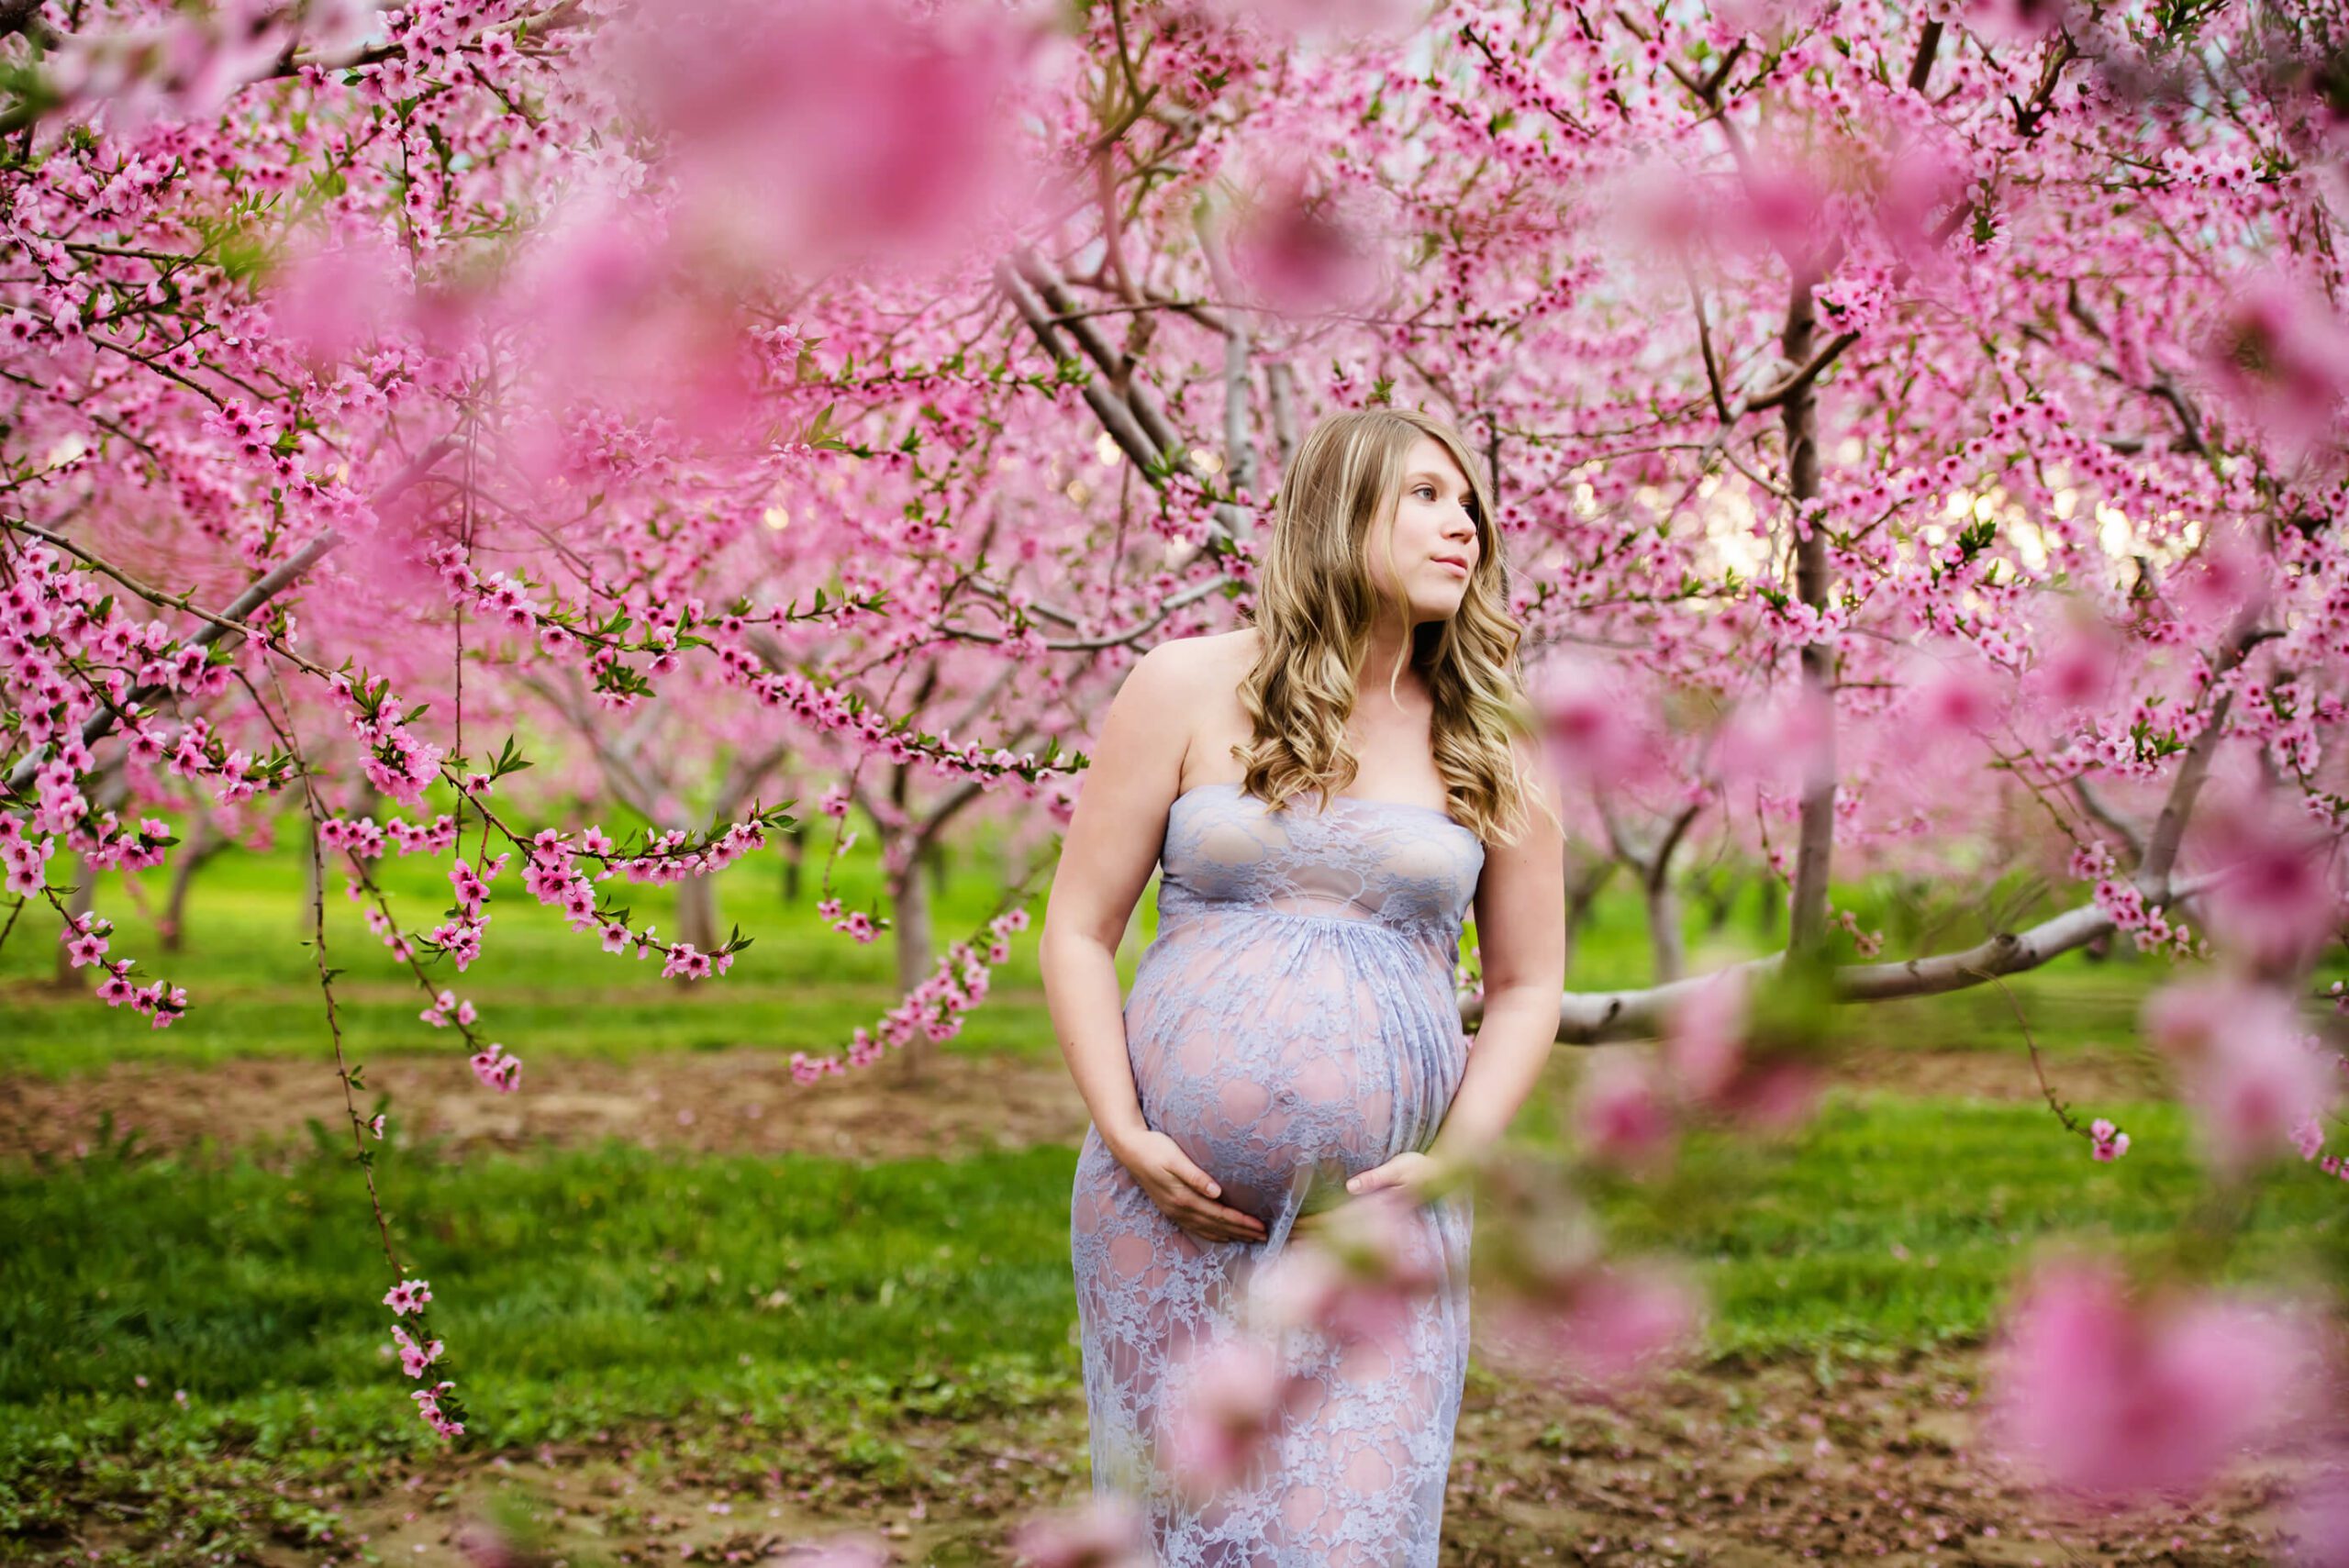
x=1292 y=1024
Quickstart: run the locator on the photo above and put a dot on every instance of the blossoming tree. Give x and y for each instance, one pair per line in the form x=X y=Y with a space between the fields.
x=1915 y=425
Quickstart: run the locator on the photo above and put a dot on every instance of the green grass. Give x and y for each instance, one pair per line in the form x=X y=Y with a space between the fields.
x=616 y=1291
x=539 y=987
x=1797 y=1238
x=580 y=1289
x=545 y=991
x=574 y=1291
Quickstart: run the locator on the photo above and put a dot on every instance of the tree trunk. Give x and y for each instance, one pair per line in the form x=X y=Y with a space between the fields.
x=1664 y=942
x=794 y=849
x=910 y=895
x=201 y=844
x=698 y=915
x=1814 y=854
x=1582 y=892
x=1715 y=896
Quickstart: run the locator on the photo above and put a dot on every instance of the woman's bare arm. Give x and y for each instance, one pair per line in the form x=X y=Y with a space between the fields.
x=1106 y=856
x=1521 y=939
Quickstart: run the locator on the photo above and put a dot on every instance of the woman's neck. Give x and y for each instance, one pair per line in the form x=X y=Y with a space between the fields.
x=1410 y=685
x=1385 y=650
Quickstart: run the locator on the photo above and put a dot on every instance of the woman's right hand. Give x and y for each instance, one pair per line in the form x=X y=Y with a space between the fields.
x=1184 y=1193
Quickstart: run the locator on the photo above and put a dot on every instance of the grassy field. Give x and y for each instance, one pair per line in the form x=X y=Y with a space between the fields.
x=548 y=991
x=586 y=1289
x=878 y=1324
x=651 y=1278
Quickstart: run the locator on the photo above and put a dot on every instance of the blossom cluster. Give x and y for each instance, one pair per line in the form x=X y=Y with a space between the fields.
x=934 y=1010
x=418 y=1352
x=497 y=1069
x=2125 y=903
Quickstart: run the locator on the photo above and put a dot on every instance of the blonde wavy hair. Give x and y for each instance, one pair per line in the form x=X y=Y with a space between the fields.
x=1315 y=606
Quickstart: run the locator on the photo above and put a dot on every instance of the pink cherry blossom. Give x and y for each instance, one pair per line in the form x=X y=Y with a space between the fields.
x=1622 y=1114
x=2098 y=1392
x=497 y=1069
x=1223 y=1413
x=1604 y=1326
x=2281 y=353
x=409 y=1295
x=1102 y=1532
x=2107 y=1141
x=2281 y=896
x=1302 y=247
x=1955 y=700
x=2249 y=1073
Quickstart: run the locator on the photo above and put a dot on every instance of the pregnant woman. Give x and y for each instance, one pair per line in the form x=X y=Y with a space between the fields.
x=1326 y=794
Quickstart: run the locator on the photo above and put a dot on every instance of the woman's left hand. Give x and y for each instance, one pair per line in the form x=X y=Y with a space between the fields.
x=1416 y=1175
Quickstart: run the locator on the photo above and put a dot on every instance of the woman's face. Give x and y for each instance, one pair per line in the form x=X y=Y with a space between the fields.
x=1434 y=531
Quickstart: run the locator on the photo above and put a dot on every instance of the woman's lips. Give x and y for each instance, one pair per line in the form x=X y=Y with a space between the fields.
x=1452 y=565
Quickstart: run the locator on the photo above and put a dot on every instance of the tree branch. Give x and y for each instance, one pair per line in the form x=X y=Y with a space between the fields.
x=1929 y=43
x=1595 y=1017
x=2122 y=828
x=229 y=621
x=2169 y=828
x=1801 y=381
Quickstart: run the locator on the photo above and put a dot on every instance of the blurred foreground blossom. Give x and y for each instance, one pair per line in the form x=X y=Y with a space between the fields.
x=857 y=1550
x=2100 y=1394
x=1954 y=697
x=1622 y=1113
x=1357 y=1278
x=2016 y=21
x=1103 y=1533
x=2247 y=1072
x=2075 y=667
x=807 y=134
x=2228 y=576
x=1774 y=742
x=1746 y=1050
x=1553 y=1308
x=1302 y=248
x=485 y=1543
x=2317 y=1526
x=184 y=68
x=1591 y=723
x=333 y=296
x=1603 y=1326
x=1224 y=1407
x=2280 y=897
x=2281 y=354
x=1321 y=20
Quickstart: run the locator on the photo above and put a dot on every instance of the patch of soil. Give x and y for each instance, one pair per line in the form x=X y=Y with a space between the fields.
x=1779 y=1464
x=1745 y=1467
x=723 y=1101
x=744 y=1101
x=2078 y=1077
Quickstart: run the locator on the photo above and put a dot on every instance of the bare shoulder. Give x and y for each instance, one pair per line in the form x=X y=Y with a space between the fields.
x=1193 y=685
x=1199 y=671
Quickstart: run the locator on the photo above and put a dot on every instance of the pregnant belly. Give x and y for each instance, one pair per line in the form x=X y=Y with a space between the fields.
x=1281 y=1090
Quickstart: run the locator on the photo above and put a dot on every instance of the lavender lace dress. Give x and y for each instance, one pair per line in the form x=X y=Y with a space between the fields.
x=1292 y=1024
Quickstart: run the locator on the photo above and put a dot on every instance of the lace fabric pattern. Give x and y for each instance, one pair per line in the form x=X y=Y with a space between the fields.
x=1292 y=1024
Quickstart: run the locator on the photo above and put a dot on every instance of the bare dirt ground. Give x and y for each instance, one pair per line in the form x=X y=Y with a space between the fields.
x=743 y=1101
x=1740 y=1468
